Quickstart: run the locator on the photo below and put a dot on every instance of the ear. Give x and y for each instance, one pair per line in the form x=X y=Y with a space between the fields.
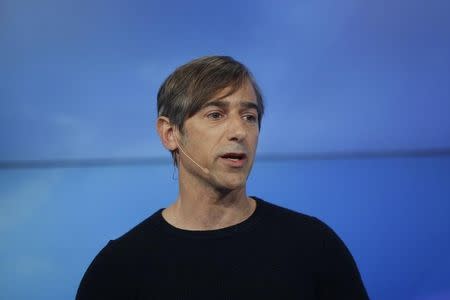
x=166 y=131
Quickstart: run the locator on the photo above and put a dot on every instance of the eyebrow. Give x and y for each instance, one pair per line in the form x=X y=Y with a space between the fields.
x=225 y=104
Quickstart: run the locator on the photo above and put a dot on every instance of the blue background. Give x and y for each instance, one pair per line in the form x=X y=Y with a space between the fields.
x=347 y=84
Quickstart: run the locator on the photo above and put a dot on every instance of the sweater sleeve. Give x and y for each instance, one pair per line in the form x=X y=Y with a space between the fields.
x=106 y=277
x=339 y=275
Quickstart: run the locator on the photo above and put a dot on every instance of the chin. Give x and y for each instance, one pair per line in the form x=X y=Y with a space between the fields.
x=233 y=183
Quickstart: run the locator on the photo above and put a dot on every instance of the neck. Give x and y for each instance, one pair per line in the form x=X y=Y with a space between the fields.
x=200 y=206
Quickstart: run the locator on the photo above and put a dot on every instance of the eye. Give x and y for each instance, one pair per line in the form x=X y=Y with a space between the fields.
x=214 y=115
x=251 y=118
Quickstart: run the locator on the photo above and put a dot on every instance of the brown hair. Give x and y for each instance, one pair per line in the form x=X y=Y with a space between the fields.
x=185 y=91
x=191 y=85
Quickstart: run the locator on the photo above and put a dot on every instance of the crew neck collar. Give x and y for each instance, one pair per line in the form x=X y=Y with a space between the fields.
x=242 y=226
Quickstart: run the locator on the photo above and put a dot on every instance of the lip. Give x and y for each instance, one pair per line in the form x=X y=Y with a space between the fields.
x=235 y=163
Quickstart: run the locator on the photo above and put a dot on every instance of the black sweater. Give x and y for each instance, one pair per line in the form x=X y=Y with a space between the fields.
x=276 y=253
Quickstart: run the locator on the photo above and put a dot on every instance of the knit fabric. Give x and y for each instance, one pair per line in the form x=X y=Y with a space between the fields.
x=276 y=253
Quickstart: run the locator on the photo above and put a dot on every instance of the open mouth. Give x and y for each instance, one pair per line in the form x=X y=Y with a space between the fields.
x=234 y=156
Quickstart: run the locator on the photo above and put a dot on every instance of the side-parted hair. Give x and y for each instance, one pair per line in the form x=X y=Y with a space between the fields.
x=190 y=86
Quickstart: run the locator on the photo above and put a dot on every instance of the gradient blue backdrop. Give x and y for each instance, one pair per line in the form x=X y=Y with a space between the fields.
x=79 y=80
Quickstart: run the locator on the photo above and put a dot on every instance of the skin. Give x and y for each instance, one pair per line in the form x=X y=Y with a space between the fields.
x=218 y=198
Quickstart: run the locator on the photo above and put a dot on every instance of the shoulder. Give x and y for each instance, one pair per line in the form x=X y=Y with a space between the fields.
x=280 y=216
x=334 y=266
x=300 y=227
x=140 y=236
x=111 y=273
x=125 y=249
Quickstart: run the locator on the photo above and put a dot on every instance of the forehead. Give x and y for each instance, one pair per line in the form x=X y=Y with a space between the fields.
x=243 y=94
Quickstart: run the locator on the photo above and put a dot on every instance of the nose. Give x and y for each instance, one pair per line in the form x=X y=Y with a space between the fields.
x=236 y=129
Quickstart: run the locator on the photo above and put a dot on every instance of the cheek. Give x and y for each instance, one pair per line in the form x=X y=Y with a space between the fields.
x=205 y=148
x=254 y=141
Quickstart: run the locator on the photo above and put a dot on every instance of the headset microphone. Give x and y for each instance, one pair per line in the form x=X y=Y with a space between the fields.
x=205 y=170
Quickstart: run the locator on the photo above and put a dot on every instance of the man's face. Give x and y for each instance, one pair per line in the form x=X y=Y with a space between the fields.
x=222 y=137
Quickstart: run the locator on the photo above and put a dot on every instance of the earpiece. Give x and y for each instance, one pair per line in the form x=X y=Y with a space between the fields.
x=205 y=170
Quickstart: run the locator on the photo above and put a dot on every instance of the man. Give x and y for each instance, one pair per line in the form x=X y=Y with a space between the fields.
x=215 y=242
